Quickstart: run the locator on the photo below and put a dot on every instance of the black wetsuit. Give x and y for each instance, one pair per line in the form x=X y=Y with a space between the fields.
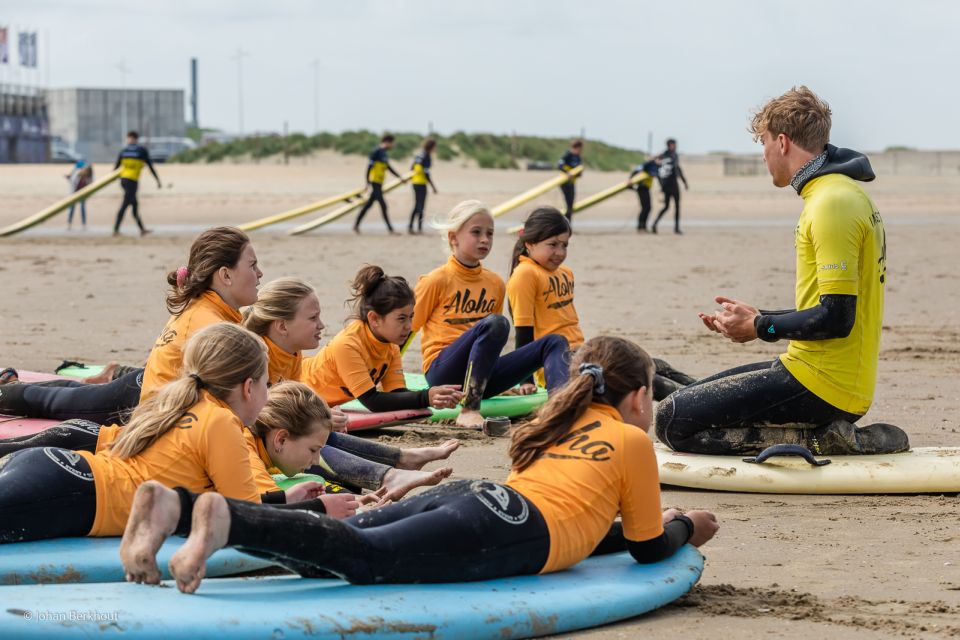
x=643 y=191
x=745 y=409
x=420 y=190
x=569 y=161
x=670 y=175
x=132 y=157
x=377 y=158
x=106 y=403
x=460 y=531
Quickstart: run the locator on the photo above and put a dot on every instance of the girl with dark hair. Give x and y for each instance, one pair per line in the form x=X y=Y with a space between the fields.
x=586 y=458
x=220 y=277
x=541 y=288
x=363 y=360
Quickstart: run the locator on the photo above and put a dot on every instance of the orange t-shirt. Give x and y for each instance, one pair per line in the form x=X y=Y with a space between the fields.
x=166 y=357
x=261 y=464
x=543 y=299
x=601 y=467
x=281 y=365
x=450 y=300
x=205 y=451
x=353 y=363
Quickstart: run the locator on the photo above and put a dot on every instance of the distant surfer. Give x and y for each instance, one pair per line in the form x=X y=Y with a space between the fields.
x=377 y=166
x=422 y=163
x=670 y=173
x=570 y=161
x=131 y=160
x=652 y=168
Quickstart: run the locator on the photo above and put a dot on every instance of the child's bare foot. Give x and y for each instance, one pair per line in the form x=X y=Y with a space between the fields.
x=470 y=420
x=208 y=532
x=399 y=482
x=153 y=518
x=415 y=457
x=104 y=376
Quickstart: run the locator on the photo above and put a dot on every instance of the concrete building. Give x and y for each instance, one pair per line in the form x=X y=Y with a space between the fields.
x=24 y=135
x=93 y=121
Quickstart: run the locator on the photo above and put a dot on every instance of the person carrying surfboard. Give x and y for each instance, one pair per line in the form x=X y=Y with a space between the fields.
x=584 y=459
x=541 y=294
x=131 y=160
x=813 y=393
x=652 y=168
x=421 y=178
x=220 y=277
x=378 y=164
x=669 y=173
x=459 y=308
x=570 y=161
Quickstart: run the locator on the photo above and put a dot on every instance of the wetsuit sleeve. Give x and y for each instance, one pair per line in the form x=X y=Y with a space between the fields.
x=679 y=171
x=146 y=159
x=379 y=401
x=640 y=488
x=273 y=497
x=228 y=460
x=427 y=293
x=675 y=534
x=832 y=318
x=119 y=158
x=393 y=171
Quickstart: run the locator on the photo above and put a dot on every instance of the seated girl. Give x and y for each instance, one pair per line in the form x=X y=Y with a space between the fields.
x=586 y=458
x=541 y=289
x=458 y=307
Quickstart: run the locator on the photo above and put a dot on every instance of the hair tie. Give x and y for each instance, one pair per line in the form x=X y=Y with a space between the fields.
x=182 y=274
x=520 y=233
x=198 y=380
x=595 y=370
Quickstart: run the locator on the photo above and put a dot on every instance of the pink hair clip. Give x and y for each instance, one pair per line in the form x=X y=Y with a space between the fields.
x=182 y=274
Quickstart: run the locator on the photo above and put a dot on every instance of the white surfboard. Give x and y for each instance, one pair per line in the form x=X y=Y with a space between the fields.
x=920 y=470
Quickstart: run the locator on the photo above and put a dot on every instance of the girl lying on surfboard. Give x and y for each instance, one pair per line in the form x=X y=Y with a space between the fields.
x=220 y=277
x=363 y=360
x=458 y=307
x=287 y=317
x=583 y=460
x=188 y=434
x=541 y=289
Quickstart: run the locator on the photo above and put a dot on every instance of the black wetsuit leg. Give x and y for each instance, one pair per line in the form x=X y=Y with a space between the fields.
x=106 y=403
x=349 y=470
x=419 y=202
x=75 y=435
x=645 y=205
x=376 y=195
x=743 y=410
x=45 y=493
x=569 y=193
x=670 y=192
x=129 y=199
x=460 y=531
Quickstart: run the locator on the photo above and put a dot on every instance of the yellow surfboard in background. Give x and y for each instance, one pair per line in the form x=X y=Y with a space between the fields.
x=336 y=214
x=60 y=205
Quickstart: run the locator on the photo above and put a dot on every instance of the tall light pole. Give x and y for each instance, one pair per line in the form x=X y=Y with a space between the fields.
x=316 y=95
x=124 y=70
x=239 y=56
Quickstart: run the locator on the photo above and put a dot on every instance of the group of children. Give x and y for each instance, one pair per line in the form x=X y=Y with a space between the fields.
x=227 y=399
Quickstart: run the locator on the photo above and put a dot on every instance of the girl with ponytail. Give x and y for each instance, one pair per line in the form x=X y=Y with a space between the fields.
x=585 y=458
x=221 y=276
x=189 y=434
x=287 y=317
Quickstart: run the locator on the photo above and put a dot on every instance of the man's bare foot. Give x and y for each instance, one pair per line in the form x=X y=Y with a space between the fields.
x=399 y=482
x=470 y=420
x=415 y=457
x=144 y=232
x=208 y=532
x=153 y=518
x=104 y=376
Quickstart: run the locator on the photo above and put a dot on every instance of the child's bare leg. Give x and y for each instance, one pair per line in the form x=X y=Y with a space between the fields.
x=415 y=457
x=153 y=518
x=399 y=482
x=208 y=532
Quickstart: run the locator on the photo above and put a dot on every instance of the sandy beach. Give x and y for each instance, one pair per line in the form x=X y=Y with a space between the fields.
x=781 y=566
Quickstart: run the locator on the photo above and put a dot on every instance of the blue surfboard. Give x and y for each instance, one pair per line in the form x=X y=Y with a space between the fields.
x=67 y=560
x=597 y=591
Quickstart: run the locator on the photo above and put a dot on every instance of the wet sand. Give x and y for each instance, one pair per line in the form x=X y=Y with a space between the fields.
x=782 y=566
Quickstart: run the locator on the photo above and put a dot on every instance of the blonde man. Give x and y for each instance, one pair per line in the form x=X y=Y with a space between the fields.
x=814 y=392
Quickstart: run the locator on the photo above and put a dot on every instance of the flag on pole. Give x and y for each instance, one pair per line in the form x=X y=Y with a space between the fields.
x=4 y=55
x=28 y=48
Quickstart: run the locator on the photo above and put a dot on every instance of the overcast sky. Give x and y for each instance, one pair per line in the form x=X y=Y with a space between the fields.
x=618 y=69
